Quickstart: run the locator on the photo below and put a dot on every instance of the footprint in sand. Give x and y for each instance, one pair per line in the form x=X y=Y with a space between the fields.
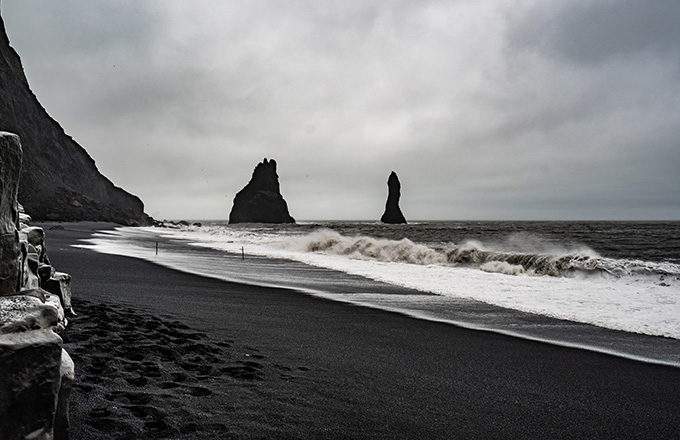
x=189 y=428
x=158 y=425
x=84 y=387
x=138 y=381
x=100 y=412
x=150 y=369
x=129 y=397
x=137 y=410
x=146 y=411
x=180 y=377
x=248 y=370
x=197 y=391
x=134 y=363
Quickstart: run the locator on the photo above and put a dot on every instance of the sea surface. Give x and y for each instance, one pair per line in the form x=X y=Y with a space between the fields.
x=612 y=287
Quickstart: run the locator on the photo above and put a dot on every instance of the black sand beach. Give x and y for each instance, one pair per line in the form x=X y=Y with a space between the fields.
x=164 y=354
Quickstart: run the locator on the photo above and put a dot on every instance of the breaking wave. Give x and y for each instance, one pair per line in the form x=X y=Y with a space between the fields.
x=533 y=258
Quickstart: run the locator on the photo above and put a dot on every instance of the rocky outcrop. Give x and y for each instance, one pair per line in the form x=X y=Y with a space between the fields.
x=260 y=201
x=37 y=373
x=10 y=164
x=59 y=180
x=392 y=211
x=31 y=362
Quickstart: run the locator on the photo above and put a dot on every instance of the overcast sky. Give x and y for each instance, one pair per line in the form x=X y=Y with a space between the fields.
x=486 y=109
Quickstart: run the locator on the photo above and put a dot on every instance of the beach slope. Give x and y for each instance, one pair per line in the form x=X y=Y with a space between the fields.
x=164 y=354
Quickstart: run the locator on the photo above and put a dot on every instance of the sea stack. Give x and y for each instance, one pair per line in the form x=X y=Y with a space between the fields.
x=392 y=213
x=260 y=201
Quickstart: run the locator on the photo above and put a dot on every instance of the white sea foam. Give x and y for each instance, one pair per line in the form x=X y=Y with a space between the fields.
x=620 y=294
x=502 y=267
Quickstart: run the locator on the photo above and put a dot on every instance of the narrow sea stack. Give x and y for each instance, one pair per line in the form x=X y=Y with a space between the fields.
x=260 y=201
x=393 y=213
x=59 y=180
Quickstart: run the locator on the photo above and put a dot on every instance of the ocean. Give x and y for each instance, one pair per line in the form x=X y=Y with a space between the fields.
x=612 y=287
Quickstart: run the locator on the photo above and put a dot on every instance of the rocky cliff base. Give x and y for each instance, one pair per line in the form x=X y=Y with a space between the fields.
x=35 y=301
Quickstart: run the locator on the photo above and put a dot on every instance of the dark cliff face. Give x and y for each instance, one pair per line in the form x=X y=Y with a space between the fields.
x=392 y=211
x=260 y=201
x=59 y=180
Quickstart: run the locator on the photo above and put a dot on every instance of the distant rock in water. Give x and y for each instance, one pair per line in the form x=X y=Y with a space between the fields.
x=260 y=201
x=392 y=212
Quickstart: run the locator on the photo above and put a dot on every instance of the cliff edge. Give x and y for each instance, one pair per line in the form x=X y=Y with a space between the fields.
x=59 y=180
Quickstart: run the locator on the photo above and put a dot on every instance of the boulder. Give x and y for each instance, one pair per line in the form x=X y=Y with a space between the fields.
x=260 y=201
x=29 y=268
x=37 y=373
x=24 y=219
x=33 y=309
x=35 y=236
x=10 y=249
x=31 y=362
x=393 y=213
x=61 y=418
x=45 y=273
x=60 y=284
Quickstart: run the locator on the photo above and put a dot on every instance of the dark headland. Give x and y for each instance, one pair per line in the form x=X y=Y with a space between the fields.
x=59 y=179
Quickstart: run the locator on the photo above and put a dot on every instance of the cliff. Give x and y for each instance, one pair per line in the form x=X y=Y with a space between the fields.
x=392 y=211
x=59 y=180
x=260 y=201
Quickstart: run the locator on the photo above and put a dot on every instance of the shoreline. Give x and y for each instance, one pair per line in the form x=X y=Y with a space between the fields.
x=333 y=370
x=460 y=312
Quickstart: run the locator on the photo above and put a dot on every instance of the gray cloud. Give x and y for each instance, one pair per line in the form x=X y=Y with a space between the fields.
x=486 y=109
x=596 y=31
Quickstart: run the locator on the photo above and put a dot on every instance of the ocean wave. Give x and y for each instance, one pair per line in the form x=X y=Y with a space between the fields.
x=621 y=298
x=368 y=248
x=546 y=259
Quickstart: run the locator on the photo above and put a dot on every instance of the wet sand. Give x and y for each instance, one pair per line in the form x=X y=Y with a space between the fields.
x=164 y=354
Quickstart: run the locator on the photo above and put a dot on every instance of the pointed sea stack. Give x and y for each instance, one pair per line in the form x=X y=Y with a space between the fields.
x=260 y=201
x=392 y=213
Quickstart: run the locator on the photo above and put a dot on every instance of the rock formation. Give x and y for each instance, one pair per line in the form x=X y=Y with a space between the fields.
x=37 y=373
x=59 y=180
x=260 y=201
x=10 y=165
x=392 y=211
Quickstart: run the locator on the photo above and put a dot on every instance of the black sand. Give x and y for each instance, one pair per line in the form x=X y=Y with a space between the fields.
x=163 y=354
